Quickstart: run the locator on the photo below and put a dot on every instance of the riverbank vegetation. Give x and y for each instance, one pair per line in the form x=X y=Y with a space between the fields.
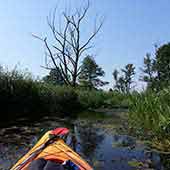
x=22 y=96
x=149 y=111
x=149 y=115
x=75 y=82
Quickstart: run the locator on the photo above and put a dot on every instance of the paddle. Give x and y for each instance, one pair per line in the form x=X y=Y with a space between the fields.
x=58 y=132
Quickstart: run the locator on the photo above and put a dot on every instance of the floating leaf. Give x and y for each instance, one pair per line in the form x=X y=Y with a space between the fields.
x=135 y=163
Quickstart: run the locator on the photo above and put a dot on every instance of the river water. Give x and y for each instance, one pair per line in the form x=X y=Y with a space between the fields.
x=100 y=139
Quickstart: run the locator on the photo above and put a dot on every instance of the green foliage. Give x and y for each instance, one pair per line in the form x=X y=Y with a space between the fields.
x=90 y=73
x=117 y=99
x=91 y=99
x=148 y=71
x=99 y=99
x=18 y=92
x=162 y=64
x=21 y=96
x=123 y=83
x=150 y=112
x=156 y=70
x=54 y=77
x=58 y=99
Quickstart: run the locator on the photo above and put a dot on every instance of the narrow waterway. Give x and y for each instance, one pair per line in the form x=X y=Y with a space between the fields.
x=99 y=138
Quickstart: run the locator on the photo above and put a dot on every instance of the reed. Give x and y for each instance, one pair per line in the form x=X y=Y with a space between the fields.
x=150 y=112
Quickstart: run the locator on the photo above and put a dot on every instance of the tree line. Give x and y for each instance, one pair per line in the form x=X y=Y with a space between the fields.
x=69 y=64
x=155 y=73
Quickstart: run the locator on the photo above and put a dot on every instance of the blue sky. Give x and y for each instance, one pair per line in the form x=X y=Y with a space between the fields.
x=130 y=30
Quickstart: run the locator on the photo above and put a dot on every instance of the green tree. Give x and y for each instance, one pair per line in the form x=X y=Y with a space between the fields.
x=90 y=73
x=115 y=76
x=121 y=84
x=54 y=77
x=162 y=65
x=129 y=72
x=119 y=81
x=148 y=71
x=124 y=82
x=156 y=70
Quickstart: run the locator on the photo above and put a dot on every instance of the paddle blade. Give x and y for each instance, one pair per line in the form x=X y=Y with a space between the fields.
x=60 y=131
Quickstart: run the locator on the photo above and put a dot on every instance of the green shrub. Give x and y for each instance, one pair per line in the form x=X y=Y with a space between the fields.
x=18 y=94
x=117 y=99
x=98 y=98
x=58 y=99
x=91 y=99
x=21 y=96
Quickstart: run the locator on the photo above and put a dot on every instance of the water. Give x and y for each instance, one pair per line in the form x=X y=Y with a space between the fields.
x=101 y=140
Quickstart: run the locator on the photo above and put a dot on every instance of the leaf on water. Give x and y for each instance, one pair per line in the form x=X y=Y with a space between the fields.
x=135 y=163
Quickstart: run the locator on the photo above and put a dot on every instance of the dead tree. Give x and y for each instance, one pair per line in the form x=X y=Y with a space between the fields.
x=67 y=50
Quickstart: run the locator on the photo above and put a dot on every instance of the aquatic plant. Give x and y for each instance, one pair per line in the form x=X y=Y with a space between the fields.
x=149 y=116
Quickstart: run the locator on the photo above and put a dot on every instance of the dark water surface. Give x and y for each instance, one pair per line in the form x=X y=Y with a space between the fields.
x=101 y=140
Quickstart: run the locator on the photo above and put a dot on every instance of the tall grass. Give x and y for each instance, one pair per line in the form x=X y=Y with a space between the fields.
x=58 y=99
x=116 y=99
x=91 y=99
x=149 y=112
x=23 y=96
x=100 y=99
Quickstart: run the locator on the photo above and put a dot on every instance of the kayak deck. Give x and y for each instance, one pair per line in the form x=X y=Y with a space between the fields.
x=57 y=151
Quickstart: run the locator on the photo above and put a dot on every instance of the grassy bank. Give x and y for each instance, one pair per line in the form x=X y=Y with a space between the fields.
x=23 y=96
x=101 y=99
x=149 y=116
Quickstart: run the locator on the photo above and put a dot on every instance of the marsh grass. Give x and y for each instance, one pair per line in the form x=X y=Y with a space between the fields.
x=21 y=95
x=149 y=115
x=99 y=99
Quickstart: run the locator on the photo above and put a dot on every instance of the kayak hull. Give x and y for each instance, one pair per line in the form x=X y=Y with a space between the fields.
x=57 y=151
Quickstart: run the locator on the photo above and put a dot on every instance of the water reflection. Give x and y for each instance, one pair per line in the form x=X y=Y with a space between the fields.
x=90 y=138
x=103 y=150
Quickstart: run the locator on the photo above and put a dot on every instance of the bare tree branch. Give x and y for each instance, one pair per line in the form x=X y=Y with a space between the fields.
x=50 y=52
x=85 y=49
x=92 y=36
x=46 y=67
x=84 y=13
x=67 y=50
